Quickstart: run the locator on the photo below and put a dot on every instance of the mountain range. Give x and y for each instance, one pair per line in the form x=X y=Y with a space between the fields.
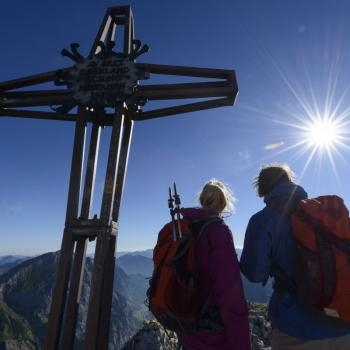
x=9 y=261
x=25 y=295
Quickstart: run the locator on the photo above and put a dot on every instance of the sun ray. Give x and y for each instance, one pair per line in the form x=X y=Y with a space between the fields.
x=298 y=154
x=331 y=159
x=341 y=156
x=308 y=161
x=335 y=110
x=313 y=96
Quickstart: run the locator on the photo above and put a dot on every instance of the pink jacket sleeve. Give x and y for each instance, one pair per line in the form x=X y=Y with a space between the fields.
x=227 y=287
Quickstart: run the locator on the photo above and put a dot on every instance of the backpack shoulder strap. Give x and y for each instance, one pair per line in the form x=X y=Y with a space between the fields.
x=199 y=227
x=209 y=314
x=288 y=208
x=283 y=283
x=206 y=223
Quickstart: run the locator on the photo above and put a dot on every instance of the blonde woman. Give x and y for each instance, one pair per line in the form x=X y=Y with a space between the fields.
x=226 y=321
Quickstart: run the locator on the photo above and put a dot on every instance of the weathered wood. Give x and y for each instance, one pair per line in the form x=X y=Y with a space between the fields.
x=182 y=109
x=109 y=264
x=185 y=71
x=112 y=165
x=102 y=244
x=102 y=33
x=59 y=293
x=21 y=113
x=28 y=81
x=175 y=94
x=36 y=101
x=128 y=31
x=107 y=296
x=77 y=274
x=123 y=164
x=30 y=94
x=182 y=86
x=77 y=168
x=119 y=11
x=91 y=171
x=81 y=245
x=108 y=278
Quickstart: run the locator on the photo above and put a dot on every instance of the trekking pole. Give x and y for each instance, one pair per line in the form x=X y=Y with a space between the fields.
x=172 y=213
x=177 y=210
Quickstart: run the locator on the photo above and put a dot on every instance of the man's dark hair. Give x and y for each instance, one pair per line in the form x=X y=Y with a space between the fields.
x=270 y=176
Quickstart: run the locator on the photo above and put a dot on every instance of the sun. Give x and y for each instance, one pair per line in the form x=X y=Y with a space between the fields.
x=323 y=133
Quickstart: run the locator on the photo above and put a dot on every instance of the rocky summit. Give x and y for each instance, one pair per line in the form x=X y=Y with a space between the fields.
x=260 y=326
x=152 y=336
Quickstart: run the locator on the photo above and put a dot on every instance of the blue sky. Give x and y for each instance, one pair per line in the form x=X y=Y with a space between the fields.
x=291 y=59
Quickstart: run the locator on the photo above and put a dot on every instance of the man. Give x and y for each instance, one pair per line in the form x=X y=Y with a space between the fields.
x=268 y=251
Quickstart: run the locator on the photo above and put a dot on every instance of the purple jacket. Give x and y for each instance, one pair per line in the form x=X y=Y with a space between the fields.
x=219 y=272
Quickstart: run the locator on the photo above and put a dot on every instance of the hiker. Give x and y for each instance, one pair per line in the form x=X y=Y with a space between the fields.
x=219 y=277
x=269 y=251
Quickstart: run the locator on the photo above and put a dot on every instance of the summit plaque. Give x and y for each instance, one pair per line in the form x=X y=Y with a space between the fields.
x=102 y=80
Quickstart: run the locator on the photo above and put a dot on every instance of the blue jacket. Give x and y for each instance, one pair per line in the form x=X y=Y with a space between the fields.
x=269 y=240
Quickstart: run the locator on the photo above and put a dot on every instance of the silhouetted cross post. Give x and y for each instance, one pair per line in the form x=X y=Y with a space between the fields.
x=94 y=86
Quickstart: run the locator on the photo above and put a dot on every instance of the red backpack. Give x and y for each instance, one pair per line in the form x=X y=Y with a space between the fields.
x=174 y=295
x=321 y=229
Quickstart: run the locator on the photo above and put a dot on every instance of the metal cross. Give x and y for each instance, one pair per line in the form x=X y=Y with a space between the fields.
x=94 y=86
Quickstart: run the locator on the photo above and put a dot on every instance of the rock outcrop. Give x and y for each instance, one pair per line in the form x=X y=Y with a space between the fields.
x=17 y=345
x=152 y=335
x=260 y=326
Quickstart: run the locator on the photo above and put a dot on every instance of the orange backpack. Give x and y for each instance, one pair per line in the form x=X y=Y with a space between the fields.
x=174 y=296
x=321 y=229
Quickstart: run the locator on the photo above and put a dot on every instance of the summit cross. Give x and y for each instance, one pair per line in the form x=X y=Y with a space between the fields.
x=102 y=89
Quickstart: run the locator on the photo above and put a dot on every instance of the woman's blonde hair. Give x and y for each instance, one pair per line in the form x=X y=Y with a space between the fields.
x=215 y=197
